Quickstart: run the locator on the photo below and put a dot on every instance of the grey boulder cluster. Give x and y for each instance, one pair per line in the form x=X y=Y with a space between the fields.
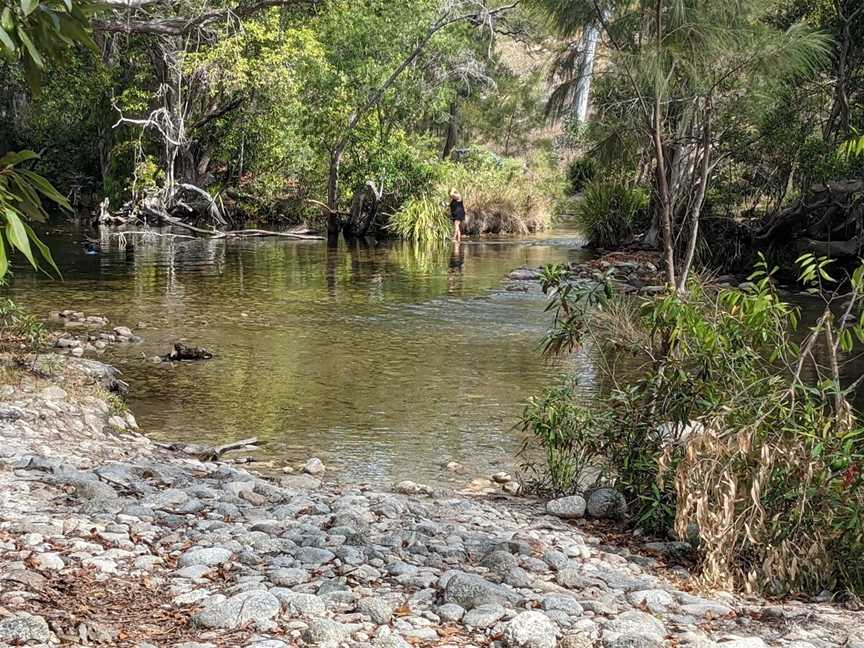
x=82 y=333
x=601 y=503
x=271 y=562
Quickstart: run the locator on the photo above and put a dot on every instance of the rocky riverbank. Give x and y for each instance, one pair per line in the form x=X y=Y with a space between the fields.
x=634 y=272
x=107 y=539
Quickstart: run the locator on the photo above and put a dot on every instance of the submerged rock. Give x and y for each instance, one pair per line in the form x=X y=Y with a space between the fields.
x=524 y=274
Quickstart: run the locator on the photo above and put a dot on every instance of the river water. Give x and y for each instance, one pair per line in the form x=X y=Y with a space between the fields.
x=385 y=361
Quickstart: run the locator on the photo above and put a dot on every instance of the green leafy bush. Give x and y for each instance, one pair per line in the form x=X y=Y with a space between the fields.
x=611 y=212
x=727 y=422
x=569 y=436
x=19 y=330
x=580 y=172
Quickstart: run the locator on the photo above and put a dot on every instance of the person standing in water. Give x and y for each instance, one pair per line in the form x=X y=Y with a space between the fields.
x=457 y=214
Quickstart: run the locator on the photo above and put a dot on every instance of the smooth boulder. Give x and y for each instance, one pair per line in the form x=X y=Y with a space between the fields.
x=567 y=508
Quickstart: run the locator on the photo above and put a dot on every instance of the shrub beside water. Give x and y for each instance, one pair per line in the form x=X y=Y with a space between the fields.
x=20 y=332
x=727 y=422
x=580 y=172
x=501 y=196
x=612 y=212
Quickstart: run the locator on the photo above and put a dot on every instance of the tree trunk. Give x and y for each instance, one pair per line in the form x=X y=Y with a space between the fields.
x=586 y=72
x=452 y=130
x=364 y=209
x=334 y=222
x=696 y=211
x=664 y=195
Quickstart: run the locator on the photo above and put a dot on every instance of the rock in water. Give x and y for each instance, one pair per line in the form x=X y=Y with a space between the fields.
x=314 y=466
x=524 y=274
x=607 y=503
x=530 y=630
x=567 y=508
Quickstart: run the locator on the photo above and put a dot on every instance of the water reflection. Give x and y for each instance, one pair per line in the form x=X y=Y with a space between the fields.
x=387 y=359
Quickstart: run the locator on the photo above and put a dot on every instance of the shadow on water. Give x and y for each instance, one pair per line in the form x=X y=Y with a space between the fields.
x=386 y=360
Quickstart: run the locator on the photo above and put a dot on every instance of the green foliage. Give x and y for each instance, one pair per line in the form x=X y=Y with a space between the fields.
x=719 y=426
x=19 y=330
x=612 y=212
x=21 y=195
x=580 y=172
x=569 y=435
x=852 y=149
x=33 y=33
x=500 y=196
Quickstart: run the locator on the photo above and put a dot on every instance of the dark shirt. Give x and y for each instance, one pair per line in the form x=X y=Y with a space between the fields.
x=457 y=210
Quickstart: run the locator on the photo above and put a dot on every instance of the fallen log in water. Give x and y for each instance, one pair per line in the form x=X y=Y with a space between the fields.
x=244 y=233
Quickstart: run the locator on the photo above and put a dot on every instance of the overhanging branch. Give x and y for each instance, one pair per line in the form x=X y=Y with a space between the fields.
x=133 y=24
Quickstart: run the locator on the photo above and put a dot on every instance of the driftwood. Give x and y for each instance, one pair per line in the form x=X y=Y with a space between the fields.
x=828 y=213
x=843 y=249
x=211 y=453
x=244 y=233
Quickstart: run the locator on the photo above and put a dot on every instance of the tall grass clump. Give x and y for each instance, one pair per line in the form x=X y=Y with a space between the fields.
x=501 y=196
x=612 y=212
x=726 y=422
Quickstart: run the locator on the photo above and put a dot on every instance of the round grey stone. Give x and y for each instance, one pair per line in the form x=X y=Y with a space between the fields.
x=607 y=503
x=530 y=630
x=208 y=557
x=257 y=606
x=23 y=628
x=377 y=609
x=451 y=612
x=567 y=508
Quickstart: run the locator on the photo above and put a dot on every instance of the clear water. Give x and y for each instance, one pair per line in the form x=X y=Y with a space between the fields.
x=386 y=361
